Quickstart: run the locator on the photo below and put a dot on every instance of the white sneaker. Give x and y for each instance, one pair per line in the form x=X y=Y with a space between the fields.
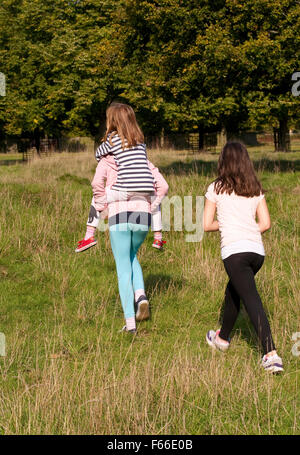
x=272 y=363
x=213 y=343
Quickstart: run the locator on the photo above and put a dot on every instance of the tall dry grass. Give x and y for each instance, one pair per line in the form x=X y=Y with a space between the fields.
x=68 y=369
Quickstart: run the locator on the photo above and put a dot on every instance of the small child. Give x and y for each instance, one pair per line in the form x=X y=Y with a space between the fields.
x=134 y=175
x=238 y=197
x=94 y=220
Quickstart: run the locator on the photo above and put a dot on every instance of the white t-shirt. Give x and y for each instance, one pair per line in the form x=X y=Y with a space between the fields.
x=237 y=222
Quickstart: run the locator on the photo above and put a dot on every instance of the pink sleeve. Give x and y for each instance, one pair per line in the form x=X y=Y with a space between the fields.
x=98 y=185
x=161 y=186
x=211 y=195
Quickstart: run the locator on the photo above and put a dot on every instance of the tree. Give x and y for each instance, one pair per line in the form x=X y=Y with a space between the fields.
x=184 y=66
x=59 y=73
x=206 y=65
x=266 y=34
x=171 y=71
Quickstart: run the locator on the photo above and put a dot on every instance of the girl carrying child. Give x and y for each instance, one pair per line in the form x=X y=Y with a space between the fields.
x=124 y=184
x=134 y=174
x=238 y=198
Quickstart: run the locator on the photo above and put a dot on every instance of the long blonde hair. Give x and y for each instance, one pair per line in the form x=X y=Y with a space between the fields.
x=121 y=120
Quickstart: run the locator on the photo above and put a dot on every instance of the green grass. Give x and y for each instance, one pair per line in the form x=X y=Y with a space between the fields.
x=69 y=370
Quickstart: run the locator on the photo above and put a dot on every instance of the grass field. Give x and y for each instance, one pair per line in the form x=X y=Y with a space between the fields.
x=10 y=158
x=69 y=370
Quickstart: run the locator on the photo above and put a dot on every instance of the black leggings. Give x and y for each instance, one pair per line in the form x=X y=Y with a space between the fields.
x=241 y=268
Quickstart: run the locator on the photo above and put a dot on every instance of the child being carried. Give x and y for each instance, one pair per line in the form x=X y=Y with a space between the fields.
x=134 y=177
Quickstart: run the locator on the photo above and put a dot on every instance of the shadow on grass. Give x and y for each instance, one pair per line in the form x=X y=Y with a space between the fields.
x=194 y=167
x=11 y=162
x=157 y=282
x=209 y=168
x=69 y=178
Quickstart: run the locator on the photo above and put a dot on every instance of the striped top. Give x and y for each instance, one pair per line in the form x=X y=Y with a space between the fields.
x=133 y=171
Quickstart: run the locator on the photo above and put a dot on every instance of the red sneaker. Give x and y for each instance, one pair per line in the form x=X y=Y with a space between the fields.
x=159 y=244
x=83 y=245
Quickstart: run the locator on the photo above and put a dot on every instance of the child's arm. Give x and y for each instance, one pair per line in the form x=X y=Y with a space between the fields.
x=103 y=150
x=264 y=220
x=161 y=186
x=98 y=185
x=209 y=223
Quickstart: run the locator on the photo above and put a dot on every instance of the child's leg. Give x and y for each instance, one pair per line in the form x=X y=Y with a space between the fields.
x=231 y=311
x=138 y=237
x=142 y=304
x=121 y=248
x=92 y=222
x=241 y=269
x=156 y=222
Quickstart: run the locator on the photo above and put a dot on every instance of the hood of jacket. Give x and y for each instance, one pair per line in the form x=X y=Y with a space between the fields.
x=110 y=162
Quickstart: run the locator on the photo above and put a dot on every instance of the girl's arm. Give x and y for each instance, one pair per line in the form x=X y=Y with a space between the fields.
x=161 y=186
x=103 y=150
x=209 y=222
x=263 y=216
x=98 y=185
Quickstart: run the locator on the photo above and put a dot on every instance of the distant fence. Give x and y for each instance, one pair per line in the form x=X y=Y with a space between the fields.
x=209 y=142
x=186 y=141
x=46 y=146
x=212 y=142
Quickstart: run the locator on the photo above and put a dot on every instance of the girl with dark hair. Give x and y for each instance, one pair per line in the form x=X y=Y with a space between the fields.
x=238 y=198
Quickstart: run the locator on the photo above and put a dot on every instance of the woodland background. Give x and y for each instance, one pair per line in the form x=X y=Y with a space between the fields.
x=185 y=66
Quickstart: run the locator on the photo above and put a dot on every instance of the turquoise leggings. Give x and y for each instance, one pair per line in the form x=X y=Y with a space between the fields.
x=125 y=239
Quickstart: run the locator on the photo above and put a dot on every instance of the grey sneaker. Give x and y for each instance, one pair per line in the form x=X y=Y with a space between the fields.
x=272 y=363
x=142 y=308
x=211 y=340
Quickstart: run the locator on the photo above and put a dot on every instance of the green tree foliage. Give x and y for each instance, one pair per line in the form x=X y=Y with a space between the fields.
x=191 y=65
x=55 y=57
x=266 y=34
x=174 y=62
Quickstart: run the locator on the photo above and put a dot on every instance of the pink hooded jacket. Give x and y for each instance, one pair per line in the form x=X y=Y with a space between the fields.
x=106 y=176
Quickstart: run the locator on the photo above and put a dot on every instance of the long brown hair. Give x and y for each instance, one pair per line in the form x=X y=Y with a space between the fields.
x=121 y=120
x=236 y=172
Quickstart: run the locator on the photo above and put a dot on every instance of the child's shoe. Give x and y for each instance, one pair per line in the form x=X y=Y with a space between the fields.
x=142 y=308
x=159 y=244
x=83 y=245
x=211 y=338
x=131 y=331
x=272 y=363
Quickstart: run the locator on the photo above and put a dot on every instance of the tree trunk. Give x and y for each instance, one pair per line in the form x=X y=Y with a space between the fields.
x=37 y=140
x=100 y=131
x=201 y=137
x=282 y=140
x=162 y=138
